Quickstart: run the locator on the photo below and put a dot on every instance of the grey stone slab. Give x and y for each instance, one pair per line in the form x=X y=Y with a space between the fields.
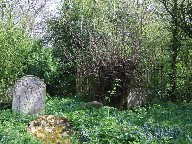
x=29 y=94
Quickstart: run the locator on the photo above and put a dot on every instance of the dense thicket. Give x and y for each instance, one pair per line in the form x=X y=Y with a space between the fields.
x=90 y=37
x=91 y=44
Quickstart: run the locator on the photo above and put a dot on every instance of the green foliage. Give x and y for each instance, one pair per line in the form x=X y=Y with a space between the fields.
x=157 y=60
x=19 y=56
x=13 y=128
x=160 y=123
x=40 y=63
x=180 y=13
x=88 y=35
x=14 y=47
x=63 y=53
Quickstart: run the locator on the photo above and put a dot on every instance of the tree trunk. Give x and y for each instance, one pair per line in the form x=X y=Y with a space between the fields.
x=175 y=45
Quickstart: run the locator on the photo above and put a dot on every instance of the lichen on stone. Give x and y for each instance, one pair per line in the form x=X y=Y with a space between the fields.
x=52 y=129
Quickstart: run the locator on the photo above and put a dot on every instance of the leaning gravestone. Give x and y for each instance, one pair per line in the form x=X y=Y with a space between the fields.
x=29 y=95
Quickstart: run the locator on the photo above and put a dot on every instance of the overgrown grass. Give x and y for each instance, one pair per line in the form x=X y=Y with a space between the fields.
x=160 y=123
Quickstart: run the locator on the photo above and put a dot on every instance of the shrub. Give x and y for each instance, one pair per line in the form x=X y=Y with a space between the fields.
x=14 y=47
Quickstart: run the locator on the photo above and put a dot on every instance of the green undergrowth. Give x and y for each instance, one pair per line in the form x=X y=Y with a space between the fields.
x=160 y=123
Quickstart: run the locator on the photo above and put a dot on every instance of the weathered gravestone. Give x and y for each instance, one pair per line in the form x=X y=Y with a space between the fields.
x=136 y=97
x=29 y=95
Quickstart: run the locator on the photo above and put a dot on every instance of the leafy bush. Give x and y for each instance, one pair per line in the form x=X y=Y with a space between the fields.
x=19 y=56
x=40 y=63
x=14 y=47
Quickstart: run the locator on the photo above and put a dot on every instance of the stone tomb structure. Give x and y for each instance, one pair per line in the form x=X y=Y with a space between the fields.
x=29 y=95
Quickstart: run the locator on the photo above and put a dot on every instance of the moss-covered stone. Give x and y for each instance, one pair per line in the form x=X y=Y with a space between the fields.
x=52 y=129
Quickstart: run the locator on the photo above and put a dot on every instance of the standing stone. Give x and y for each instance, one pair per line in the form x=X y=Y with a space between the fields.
x=136 y=97
x=29 y=95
